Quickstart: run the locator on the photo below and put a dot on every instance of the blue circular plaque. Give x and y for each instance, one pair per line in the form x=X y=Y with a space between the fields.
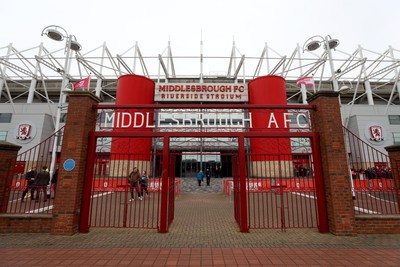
x=69 y=165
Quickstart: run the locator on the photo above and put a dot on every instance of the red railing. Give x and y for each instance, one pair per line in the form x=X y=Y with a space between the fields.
x=281 y=191
x=373 y=183
x=116 y=203
x=265 y=185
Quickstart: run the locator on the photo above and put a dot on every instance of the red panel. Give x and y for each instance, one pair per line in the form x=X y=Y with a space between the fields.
x=268 y=90
x=134 y=89
x=131 y=90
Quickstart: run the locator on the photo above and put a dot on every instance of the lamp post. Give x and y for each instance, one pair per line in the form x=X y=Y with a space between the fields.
x=314 y=42
x=58 y=33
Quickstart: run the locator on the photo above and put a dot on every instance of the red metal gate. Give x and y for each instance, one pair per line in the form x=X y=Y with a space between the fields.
x=278 y=191
x=263 y=197
x=116 y=203
x=283 y=197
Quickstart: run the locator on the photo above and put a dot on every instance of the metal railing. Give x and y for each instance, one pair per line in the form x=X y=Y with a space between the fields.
x=372 y=179
x=25 y=195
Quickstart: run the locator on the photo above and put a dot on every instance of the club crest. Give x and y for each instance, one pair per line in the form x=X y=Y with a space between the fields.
x=24 y=131
x=376 y=133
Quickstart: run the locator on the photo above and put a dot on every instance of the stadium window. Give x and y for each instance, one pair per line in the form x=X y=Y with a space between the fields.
x=396 y=138
x=5 y=117
x=394 y=119
x=3 y=135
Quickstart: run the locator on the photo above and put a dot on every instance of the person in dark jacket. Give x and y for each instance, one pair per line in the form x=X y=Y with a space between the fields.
x=30 y=178
x=134 y=181
x=54 y=181
x=144 y=183
x=42 y=180
x=208 y=176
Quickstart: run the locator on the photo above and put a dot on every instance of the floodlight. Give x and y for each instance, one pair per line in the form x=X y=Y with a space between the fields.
x=74 y=45
x=313 y=45
x=344 y=89
x=333 y=43
x=54 y=35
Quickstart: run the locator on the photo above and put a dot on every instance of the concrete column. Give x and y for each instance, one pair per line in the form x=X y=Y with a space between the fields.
x=326 y=120
x=81 y=119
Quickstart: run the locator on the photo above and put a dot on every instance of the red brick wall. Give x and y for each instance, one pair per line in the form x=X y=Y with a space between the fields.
x=8 y=155
x=13 y=223
x=394 y=155
x=81 y=119
x=326 y=120
x=378 y=224
x=16 y=223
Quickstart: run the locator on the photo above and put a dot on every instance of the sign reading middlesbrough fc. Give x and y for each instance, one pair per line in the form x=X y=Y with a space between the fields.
x=201 y=92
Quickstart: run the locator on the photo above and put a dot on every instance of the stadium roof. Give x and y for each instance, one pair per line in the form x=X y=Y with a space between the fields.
x=366 y=72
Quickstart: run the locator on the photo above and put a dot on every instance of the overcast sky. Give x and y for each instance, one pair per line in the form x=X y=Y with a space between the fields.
x=251 y=23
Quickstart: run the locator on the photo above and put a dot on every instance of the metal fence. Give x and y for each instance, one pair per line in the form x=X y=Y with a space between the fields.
x=280 y=189
x=25 y=196
x=117 y=202
x=373 y=185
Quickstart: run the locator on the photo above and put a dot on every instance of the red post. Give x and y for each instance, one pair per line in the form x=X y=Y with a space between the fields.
x=323 y=225
x=244 y=225
x=164 y=188
x=87 y=189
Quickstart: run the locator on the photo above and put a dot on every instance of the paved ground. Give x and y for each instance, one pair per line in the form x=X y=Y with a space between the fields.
x=203 y=233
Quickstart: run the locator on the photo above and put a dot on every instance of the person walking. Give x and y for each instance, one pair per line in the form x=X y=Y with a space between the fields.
x=134 y=181
x=208 y=176
x=144 y=184
x=54 y=182
x=200 y=176
x=30 y=178
x=42 y=180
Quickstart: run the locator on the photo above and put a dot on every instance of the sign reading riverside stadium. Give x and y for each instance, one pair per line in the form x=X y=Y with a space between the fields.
x=201 y=92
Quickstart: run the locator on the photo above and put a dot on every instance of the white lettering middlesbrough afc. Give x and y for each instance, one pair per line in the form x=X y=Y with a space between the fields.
x=125 y=120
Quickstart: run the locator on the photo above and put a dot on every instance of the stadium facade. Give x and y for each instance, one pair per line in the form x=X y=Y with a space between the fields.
x=33 y=105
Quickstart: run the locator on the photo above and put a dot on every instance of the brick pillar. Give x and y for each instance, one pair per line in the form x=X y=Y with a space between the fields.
x=394 y=156
x=81 y=119
x=326 y=120
x=8 y=155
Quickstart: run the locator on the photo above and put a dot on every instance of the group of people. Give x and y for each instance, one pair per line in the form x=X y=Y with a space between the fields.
x=38 y=182
x=375 y=172
x=200 y=176
x=139 y=183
